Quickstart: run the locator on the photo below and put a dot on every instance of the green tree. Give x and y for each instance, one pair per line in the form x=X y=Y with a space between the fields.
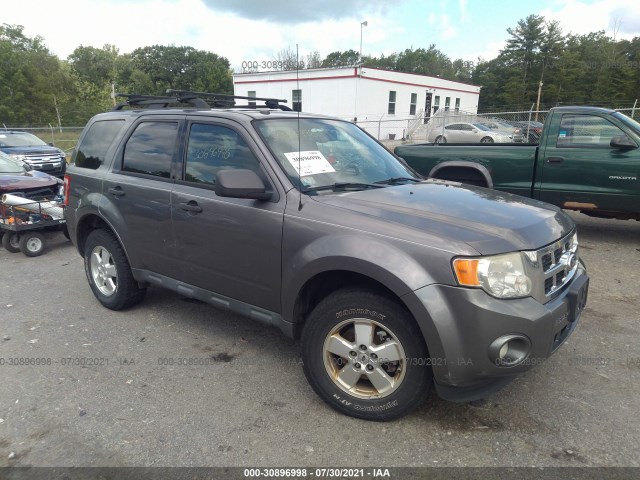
x=348 y=58
x=32 y=82
x=183 y=68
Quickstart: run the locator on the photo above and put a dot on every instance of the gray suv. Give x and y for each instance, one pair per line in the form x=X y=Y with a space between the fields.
x=394 y=283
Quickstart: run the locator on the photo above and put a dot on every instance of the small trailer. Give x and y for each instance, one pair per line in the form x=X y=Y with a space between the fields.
x=23 y=220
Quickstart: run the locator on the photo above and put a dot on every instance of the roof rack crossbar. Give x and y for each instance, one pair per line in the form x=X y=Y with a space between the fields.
x=218 y=100
x=182 y=93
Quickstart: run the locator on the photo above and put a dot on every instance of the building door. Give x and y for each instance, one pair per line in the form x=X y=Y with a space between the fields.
x=427 y=107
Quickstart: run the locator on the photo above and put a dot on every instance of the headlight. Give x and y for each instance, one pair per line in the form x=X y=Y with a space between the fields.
x=574 y=242
x=502 y=276
x=18 y=157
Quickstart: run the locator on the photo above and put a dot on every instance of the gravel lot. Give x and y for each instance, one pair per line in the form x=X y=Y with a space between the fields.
x=250 y=405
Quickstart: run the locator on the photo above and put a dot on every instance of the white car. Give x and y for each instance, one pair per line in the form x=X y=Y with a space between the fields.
x=464 y=132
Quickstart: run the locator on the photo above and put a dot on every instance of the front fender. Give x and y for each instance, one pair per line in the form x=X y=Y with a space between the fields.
x=371 y=257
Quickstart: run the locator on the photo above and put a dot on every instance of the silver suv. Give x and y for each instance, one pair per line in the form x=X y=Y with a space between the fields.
x=394 y=283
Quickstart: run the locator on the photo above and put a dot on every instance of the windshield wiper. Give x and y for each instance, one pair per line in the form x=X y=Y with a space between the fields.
x=343 y=186
x=396 y=180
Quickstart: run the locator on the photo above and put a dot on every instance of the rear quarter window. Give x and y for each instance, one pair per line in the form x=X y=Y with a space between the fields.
x=96 y=142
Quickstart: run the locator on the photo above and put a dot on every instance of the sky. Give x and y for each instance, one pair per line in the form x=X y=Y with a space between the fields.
x=257 y=30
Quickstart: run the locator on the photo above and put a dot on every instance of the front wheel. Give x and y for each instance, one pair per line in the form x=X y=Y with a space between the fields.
x=364 y=355
x=109 y=273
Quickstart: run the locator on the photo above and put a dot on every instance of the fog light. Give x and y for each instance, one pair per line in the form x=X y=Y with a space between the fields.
x=509 y=350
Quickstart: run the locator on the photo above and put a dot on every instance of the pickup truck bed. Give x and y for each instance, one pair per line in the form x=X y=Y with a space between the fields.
x=587 y=160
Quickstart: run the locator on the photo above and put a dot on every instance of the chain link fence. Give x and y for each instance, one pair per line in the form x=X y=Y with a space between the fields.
x=457 y=126
x=521 y=126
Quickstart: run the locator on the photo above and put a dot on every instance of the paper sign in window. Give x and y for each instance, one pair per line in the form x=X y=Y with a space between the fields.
x=309 y=162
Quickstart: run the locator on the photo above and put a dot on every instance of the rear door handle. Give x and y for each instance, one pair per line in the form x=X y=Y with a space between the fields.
x=116 y=191
x=191 y=206
x=555 y=159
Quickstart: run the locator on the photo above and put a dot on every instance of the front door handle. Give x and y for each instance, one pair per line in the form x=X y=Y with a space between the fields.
x=116 y=191
x=555 y=159
x=191 y=206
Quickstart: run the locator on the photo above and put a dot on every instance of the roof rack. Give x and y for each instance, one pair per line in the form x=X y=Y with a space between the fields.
x=229 y=100
x=214 y=100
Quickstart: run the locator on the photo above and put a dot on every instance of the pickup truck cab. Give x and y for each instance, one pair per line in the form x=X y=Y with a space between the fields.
x=587 y=159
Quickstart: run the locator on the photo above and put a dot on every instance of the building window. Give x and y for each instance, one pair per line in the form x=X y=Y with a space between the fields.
x=414 y=102
x=457 y=104
x=436 y=104
x=252 y=93
x=447 y=104
x=392 y=103
x=296 y=96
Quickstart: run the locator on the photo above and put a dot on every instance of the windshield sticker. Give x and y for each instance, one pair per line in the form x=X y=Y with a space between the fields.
x=309 y=162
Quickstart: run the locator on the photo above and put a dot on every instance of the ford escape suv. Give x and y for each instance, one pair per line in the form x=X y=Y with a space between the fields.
x=395 y=284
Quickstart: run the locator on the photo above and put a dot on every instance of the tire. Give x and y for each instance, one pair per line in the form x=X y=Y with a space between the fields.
x=342 y=379
x=486 y=140
x=11 y=242
x=65 y=232
x=109 y=273
x=441 y=139
x=32 y=244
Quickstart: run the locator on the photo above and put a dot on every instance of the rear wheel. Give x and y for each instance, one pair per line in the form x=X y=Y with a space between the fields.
x=32 y=244
x=364 y=355
x=109 y=272
x=11 y=242
x=441 y=139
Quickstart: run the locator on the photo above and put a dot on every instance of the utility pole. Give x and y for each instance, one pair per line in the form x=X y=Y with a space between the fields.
x=357 y=79
x=538 y=102
x=362 y=24
x=55 y=103
x=113 y=93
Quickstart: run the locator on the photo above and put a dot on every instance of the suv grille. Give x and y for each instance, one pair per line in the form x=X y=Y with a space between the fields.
x=559 y=263
x=52 y=163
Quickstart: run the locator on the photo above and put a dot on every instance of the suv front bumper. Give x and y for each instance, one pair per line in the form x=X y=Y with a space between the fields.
x=464 y=329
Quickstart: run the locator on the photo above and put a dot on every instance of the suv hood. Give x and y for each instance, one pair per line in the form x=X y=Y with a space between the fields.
x=35 y=150
x=490 y=222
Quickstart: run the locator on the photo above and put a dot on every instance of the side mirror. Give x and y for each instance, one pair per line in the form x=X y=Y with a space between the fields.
x=622 y=142
x=240 y=183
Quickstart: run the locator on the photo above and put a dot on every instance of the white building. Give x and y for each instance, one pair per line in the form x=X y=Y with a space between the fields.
x=386 y=103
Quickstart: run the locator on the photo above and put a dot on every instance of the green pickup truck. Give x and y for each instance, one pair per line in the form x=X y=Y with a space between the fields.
x=587 y=159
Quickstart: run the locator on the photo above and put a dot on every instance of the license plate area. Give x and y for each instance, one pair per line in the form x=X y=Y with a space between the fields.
x=576 y=301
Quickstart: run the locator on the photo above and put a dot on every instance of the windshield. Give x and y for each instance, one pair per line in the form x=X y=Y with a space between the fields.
x=19 y=139
x=481 y=127
x=628 y=121
x=329 y=152
x=9 y=166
